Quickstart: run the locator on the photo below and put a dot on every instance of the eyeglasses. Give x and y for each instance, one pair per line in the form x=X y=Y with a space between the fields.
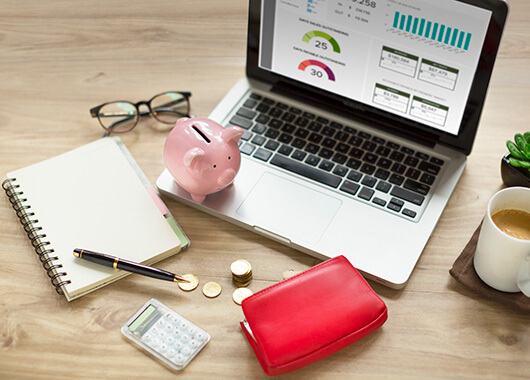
x=122 y=116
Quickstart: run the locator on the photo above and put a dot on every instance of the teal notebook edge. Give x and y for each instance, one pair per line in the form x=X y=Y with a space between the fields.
x=185 y=241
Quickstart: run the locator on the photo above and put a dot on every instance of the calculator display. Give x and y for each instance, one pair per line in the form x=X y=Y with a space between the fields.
x=150 y=311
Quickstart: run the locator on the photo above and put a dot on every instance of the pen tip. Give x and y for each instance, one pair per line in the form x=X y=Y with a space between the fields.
x=181 y=279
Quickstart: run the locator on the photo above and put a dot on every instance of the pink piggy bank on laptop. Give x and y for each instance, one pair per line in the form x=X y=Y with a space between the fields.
x=202 y=156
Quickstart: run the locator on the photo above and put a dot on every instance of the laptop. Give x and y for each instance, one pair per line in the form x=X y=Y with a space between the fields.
x=358 y=116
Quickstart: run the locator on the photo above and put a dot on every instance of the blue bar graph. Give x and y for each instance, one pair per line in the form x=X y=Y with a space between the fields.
x=428 y=29
x=422 y=25
x=432 y=30
x=441 y=34
x=447 y=35
x=460 y=40
x=415 y=26
x=453 y=40
x=396 y=20
x=468 y=39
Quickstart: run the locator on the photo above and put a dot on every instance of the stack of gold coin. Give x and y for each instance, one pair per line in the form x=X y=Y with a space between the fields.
x=241 y=273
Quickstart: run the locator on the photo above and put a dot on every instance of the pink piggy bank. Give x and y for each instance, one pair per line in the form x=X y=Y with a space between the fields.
x=202 y=156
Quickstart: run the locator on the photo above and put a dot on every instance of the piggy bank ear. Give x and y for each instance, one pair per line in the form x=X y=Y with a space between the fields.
x=193 y=158
x=232 y=134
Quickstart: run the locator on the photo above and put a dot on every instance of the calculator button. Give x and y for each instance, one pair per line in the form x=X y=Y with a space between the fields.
x=179 y=358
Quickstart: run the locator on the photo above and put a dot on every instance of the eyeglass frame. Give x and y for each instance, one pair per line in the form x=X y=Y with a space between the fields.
x=94 y=112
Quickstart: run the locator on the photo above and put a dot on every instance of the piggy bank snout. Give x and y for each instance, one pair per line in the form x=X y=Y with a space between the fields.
x=226 y=177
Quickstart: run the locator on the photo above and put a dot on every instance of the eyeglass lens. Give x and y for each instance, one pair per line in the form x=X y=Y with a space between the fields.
x=118 y=117
x=169 y=107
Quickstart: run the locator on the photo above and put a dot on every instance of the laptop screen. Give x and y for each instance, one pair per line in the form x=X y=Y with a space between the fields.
x=414 y=59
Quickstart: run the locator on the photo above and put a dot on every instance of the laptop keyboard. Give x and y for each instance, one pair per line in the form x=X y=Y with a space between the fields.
x=376 y=170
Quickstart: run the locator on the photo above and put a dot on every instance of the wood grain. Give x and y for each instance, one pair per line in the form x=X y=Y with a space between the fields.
x=60 y=58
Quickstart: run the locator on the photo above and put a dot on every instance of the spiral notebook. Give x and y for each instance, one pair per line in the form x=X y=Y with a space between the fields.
x=94 y=197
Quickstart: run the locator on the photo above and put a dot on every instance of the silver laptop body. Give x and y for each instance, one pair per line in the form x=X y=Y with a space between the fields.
x=382 y=233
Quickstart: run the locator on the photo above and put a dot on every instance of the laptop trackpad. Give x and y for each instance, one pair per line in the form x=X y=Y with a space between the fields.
x=291 y=210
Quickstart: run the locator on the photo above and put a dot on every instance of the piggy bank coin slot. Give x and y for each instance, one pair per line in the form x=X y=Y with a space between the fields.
x=201 y=134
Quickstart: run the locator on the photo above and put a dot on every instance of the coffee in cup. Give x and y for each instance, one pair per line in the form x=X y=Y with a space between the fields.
x=515 y=223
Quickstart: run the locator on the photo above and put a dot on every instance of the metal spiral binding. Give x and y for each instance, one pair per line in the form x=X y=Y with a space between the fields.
x=35 y=234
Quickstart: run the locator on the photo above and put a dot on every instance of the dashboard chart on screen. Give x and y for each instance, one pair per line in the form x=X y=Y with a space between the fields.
x=413 y=58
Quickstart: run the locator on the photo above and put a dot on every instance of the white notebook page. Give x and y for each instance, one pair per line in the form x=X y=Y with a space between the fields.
x=91 y=198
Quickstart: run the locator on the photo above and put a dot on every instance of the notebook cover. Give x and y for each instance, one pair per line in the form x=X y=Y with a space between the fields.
x=311 y=316
x=93 y=197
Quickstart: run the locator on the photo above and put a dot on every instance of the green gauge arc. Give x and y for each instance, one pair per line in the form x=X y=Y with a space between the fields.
x=318 y=33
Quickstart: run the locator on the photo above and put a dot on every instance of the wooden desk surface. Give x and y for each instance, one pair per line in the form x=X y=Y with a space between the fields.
x=60 y=58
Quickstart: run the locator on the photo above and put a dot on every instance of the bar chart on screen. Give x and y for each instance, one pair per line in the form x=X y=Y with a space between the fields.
x=435 y=31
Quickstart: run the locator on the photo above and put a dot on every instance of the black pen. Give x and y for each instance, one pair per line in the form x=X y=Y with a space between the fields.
x=129 y=266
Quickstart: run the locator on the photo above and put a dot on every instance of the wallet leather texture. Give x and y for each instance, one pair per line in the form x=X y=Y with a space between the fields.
x=310 y=316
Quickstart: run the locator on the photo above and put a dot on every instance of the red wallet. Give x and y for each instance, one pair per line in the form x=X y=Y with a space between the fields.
x=311 y=316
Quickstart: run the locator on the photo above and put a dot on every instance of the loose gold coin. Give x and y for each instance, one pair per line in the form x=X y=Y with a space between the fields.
x=211 y=289
x=240 y=268
x=191 y=285
x=240 y=294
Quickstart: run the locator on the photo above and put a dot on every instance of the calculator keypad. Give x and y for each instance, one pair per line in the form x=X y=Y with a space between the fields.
x=175 y=338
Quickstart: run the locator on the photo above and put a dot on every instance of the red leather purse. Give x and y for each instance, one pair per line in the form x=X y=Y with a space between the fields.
x=311 y=316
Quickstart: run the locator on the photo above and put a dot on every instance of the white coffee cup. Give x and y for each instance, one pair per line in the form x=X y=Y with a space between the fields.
x=503 y=261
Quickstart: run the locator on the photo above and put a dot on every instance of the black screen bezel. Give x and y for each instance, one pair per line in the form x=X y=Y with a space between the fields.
x=462 y=142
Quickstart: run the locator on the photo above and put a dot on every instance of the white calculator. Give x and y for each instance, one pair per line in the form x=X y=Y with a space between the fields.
x=165 y=334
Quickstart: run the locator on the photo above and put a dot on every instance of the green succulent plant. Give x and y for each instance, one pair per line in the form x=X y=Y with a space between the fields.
x=520 y=150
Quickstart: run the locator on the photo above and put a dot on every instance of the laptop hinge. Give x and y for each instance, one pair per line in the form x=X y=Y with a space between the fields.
x=356 y=112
